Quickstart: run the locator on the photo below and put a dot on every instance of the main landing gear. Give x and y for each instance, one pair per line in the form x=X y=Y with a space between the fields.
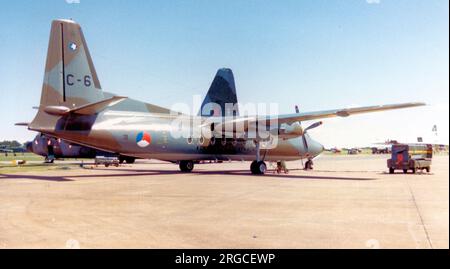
x=186 y=166
x=258 y=167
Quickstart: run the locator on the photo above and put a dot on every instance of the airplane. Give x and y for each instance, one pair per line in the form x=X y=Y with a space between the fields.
x=73 y=107
x=52 y=148
x=6 y=151
x=13 y=150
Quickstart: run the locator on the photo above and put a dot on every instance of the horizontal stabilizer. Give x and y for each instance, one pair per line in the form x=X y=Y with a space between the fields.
x=89 y=109
x=95 y=108
x=22 y=124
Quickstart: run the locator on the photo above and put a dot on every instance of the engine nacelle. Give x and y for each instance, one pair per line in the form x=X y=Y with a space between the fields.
x=290 y=131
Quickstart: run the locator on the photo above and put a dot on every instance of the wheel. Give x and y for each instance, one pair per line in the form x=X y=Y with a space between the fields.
x=253 y=167
x=309 y=165
x=405 y=171
x=121 y=159
x=279 y=167
x=391 y=170
x=261 y=167
x=186 y=166
x=258 y=168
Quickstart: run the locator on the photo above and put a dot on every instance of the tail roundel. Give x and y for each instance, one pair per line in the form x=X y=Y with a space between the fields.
x=70 y=78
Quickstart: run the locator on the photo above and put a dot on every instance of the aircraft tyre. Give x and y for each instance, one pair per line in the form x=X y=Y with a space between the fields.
x=186 y=166
x=258 y=168
x=252 y=167
x=309 y=165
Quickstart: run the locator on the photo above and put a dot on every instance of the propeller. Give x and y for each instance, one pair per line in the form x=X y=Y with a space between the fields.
x=312 y=126
x=305 y=143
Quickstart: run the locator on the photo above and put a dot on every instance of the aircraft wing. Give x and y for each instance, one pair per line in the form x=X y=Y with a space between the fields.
x=306 y=116
x=345 y=112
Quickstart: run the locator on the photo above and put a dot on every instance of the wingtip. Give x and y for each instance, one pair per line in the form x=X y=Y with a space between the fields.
x=411 y=104
x=419 y=104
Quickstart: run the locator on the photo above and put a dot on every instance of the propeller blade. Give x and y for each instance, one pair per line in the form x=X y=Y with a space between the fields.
x=314 y=125
x=297 y=110
x=305 y=143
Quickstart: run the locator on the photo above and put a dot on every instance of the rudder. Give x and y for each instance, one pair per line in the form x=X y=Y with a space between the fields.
x=222 y=93
x=70 y=77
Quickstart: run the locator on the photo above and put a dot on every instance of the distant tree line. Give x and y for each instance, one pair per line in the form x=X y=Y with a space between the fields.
x=11 y=144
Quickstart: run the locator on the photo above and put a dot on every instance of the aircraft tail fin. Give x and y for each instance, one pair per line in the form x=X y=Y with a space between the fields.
x=221 y=99
x=70 y=77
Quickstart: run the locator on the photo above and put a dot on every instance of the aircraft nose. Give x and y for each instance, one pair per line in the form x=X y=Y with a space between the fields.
x=315 y=148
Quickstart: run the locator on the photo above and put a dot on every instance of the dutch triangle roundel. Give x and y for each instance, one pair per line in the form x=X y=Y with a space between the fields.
x=143 y=139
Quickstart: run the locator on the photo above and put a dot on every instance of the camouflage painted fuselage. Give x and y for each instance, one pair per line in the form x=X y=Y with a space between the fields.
x=118 y=131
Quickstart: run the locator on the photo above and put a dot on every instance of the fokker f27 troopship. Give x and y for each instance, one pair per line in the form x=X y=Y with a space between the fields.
x=74 y=108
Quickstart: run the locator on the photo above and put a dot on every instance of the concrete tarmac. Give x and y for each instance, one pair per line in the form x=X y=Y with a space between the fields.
x=346 y=202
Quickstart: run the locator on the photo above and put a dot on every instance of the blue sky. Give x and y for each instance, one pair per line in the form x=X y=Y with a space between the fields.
x=318 y=54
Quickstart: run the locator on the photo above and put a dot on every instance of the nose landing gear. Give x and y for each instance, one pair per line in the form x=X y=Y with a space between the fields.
x=309 y=165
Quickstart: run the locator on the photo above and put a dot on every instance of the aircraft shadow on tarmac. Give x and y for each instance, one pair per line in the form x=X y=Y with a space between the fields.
x=35 y=177
x=140 y=173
